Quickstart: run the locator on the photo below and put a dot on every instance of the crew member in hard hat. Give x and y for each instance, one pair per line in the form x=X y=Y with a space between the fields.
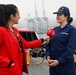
x=61 y=47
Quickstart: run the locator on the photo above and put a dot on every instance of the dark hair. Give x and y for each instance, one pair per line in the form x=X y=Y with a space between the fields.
x=2 y=15
x=10 y=9
x=5 y=13
x=69 y=19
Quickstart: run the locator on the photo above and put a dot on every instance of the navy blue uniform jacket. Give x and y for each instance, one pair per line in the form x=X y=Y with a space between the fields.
x=61 y=47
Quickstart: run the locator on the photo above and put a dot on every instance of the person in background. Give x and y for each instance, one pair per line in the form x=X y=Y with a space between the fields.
x=61 y=47
x=12 y=44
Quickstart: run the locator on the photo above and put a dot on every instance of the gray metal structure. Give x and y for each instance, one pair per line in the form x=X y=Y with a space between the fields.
x=39 y=24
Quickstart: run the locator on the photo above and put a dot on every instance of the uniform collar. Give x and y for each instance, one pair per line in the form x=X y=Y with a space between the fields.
x=67 y=25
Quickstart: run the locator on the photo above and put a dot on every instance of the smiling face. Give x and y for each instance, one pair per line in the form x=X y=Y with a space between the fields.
x=12 y=14
x=61 y=18
x=16 y=17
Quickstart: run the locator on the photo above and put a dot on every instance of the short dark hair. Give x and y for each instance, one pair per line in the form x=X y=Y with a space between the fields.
x=5 y=13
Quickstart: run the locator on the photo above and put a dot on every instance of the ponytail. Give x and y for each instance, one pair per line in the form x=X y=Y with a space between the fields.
x=70 y=20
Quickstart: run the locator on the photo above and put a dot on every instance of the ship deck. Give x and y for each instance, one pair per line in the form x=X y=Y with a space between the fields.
x=35 y=68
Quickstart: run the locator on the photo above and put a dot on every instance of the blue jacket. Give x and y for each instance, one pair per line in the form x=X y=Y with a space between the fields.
x=61 y=47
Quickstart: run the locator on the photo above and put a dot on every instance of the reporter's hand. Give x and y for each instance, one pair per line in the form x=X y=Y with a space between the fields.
x=47 y=39
x=12 y=64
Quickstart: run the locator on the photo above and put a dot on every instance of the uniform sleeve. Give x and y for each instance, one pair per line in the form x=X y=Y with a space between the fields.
x=47 y=53
x=68 y=54
x=4 y=61
x=31 y=44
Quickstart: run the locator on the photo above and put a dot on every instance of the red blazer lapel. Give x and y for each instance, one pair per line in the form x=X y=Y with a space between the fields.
x=13 y=37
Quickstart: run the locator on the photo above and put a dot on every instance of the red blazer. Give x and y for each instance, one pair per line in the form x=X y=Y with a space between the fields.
x=10 y=51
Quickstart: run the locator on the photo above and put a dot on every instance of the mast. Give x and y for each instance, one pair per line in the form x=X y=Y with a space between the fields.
x=37 y=20
x=36 y=13
x=44 y=13
x=44 y=19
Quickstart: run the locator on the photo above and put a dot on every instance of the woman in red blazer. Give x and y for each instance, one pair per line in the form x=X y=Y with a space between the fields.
x=12 y=45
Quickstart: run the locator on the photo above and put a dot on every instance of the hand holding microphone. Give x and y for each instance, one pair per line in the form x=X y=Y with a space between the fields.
x=51 y=32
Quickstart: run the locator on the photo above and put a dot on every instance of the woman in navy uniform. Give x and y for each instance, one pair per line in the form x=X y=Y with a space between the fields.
x=61 y=47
